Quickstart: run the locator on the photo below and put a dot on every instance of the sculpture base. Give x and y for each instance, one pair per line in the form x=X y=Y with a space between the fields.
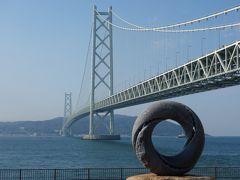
x=100 y=137
x=152 y=176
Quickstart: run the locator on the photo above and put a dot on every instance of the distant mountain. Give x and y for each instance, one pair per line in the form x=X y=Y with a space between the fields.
x=31 y=128
x=123 y=126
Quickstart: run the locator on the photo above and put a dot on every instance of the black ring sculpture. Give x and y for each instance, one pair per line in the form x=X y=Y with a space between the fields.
x=142 y=138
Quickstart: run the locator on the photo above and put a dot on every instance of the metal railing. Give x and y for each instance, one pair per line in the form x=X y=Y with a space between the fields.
x=220 y=173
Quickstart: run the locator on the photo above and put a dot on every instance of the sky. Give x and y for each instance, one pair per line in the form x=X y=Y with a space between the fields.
x=43 y=47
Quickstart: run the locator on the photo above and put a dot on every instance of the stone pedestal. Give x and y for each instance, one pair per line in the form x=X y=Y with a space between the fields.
x=152 y=176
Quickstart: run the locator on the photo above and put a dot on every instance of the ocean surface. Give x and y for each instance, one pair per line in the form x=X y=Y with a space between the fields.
x=64 y=152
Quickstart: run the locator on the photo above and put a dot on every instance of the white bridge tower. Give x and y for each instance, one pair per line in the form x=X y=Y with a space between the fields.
x=102 y=71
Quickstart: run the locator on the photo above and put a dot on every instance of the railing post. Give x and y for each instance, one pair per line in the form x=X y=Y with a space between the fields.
x=20 y=174
x=215 y=172
x=55 y=174
x=88 y=173
x=121 y=173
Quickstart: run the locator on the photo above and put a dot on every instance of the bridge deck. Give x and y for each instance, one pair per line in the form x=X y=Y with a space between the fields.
x=215 y=70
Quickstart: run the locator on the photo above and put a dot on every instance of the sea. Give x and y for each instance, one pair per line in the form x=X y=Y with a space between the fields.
x=67 y=152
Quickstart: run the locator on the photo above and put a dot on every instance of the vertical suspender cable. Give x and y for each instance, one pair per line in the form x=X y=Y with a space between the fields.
x=84 y=71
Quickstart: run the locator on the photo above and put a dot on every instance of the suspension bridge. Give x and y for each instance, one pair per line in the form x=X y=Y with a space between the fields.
x=216 y=69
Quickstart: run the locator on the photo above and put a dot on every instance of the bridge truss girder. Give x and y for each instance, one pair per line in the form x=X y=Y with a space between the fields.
x=218 y=69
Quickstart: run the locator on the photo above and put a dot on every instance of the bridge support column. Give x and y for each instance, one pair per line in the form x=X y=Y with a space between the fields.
x=111 y=123
x=102 y=71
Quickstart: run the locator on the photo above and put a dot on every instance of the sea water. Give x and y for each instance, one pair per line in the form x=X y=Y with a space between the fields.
x=64 y=152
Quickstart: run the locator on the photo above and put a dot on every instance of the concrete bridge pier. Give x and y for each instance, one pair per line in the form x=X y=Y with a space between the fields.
x=101 y=137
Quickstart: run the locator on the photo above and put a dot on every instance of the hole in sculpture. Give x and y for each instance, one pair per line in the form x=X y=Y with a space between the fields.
x=168 y=137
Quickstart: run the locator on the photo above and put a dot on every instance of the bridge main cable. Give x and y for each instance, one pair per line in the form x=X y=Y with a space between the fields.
x=169 y=28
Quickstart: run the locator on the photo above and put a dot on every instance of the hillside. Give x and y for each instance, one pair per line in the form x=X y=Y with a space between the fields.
x=123 y=126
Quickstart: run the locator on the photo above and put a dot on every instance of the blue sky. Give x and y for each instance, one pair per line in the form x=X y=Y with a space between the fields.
x=43 y=46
